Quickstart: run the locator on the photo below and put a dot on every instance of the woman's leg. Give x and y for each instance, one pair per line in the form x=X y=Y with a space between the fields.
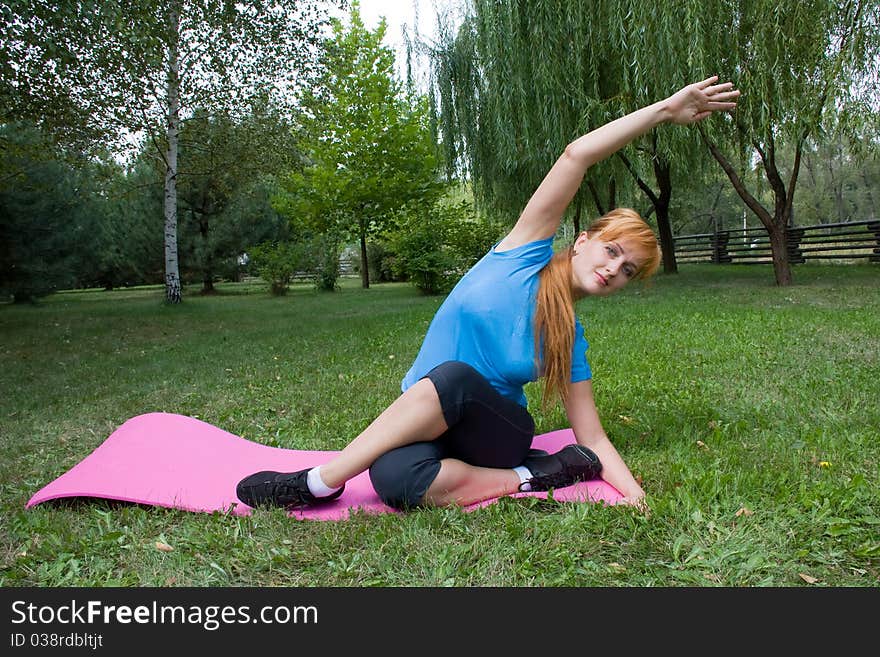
x=488 y=435
x=422 y=474
x=453 y=401
x=461 y=483
x=414 y=416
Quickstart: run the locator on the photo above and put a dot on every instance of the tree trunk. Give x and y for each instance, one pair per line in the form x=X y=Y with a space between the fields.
x=578 y=208
x=775 y=223
x=781 y=260
x=172 y=270
x=660 y=205
x=600 y=207
x=208 y=264
x=873 y=208
x=365 y=265
x=667 y=242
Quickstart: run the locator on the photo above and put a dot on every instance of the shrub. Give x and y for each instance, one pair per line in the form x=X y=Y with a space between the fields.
x=278 y=262
x=434 y=247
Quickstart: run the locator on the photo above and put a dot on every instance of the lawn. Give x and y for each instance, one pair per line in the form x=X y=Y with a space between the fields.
x=749 y=411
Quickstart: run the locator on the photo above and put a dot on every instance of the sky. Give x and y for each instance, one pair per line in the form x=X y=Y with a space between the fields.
x=403 y=12
x=397 y=13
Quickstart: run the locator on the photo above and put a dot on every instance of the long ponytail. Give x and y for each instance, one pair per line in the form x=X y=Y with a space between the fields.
x=554 y=326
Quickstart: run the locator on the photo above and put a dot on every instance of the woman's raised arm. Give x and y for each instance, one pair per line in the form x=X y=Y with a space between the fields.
x=541 y=217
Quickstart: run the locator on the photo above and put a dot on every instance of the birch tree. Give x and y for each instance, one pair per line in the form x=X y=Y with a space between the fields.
x=141 y=68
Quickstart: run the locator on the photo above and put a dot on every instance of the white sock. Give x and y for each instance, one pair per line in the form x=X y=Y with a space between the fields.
x=317 y=485
x=524 y=475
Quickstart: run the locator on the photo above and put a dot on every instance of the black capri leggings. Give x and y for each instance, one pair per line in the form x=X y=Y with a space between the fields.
x=485 y=429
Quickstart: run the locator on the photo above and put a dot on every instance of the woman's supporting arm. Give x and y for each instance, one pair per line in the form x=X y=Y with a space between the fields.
x=584 y=418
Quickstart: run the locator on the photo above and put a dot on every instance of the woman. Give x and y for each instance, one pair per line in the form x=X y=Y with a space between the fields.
x=460 y=431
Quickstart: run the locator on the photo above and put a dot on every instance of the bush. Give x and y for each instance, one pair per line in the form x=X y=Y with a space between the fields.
x=434 y=247
x=380 y=255
x=278 y=262
x=326 y=262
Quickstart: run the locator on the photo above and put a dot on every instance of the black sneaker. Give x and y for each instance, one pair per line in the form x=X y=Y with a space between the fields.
x=568 y=466
x=287 y=489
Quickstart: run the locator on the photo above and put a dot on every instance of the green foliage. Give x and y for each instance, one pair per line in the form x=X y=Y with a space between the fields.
x=123 y=68
x=519 y=80
x=278 y=262
x=368 y=148
x=225 y=186
x=50 y=213
x=310 y=258
x=434 y=246
x=102 y=66
x=128 y=237
x=505 y=114
x=381 y=258
x=804 y=68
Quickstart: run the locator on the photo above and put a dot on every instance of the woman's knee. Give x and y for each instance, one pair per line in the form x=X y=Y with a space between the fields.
x=402 y=476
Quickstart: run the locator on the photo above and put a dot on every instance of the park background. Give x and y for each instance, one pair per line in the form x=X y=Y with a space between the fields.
x=249 y=216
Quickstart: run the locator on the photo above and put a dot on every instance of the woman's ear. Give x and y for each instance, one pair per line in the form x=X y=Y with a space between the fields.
x=581 y=239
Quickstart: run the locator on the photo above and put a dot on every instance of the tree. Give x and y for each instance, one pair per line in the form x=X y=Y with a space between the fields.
x=225 y=184
x=838 y=185
x=507 y=112
x=48 y=213
x=368 y=147
x=802 y=66
x=142 y=67
x=434 y=247
x=126 y=217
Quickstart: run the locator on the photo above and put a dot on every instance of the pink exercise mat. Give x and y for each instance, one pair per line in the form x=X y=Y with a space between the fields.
x=174 y=461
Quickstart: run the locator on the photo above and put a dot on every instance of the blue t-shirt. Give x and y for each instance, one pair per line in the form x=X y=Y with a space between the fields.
x=487 y=321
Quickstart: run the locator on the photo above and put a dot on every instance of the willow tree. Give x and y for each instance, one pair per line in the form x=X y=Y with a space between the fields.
x=515 y=83
x=803 y=66
x=142 y=68
x=519 y=80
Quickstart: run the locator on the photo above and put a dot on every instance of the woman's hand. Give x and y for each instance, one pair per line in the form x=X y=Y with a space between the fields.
x=698 y=100
x=638 y=501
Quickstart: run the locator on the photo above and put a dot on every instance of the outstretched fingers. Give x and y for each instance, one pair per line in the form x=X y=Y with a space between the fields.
x=720 y=97
x=703 y=84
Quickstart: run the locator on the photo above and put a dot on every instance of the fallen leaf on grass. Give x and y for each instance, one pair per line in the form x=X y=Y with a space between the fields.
x=163 y=547
x=807 y=578
x=744 y=512
x=702 y=445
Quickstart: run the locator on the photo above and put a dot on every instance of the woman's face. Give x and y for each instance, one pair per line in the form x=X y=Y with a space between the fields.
x=601 y=267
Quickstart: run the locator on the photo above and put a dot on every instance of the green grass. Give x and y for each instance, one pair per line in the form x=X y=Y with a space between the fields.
x=750 y=412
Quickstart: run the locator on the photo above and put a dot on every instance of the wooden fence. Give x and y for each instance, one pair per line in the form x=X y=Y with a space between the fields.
x=843 y=242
